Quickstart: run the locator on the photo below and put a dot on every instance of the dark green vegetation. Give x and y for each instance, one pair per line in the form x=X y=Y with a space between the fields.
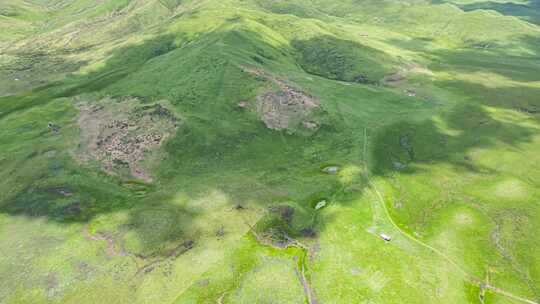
x=180 y=151
x=528 y=10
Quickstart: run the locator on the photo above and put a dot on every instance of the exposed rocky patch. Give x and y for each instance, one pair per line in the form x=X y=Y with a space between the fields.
x=121 y=135
x=362 y=79
x=405 y=143
x=284 y=212
x=53 y=127
x=63 y=191
x=242 y=105
x=409 y=92
x=310 y=125
x=529 y=110
x=286 y=108
x=331 y=170
x=397 y=165
x=308 y=232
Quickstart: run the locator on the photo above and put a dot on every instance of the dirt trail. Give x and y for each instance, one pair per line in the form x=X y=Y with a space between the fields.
x=471 y=278
x=220 y=299
x=310 y=295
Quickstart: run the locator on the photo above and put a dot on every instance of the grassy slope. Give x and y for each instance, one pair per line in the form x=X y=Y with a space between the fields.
x=470 y=189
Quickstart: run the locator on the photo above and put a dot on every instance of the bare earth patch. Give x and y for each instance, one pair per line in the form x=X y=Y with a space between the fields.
x=401 y=76
x=112 y=248
x=286 y=108
x=120 y=135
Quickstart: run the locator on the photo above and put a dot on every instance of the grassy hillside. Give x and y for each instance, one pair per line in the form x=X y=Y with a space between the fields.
x=254 y=152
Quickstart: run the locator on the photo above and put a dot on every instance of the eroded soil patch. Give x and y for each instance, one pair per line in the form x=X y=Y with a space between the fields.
x=112 y=248
x=121 y=135
x=286 y=108
x=146 y=263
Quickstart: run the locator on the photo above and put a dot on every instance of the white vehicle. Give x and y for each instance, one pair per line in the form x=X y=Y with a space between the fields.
x=385 y=237
x=320 y=205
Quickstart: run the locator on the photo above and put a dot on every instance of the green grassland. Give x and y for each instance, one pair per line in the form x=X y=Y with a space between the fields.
x=430 y=110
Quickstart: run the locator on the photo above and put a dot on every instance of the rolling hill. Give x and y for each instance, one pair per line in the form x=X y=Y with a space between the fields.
x=257 y=151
